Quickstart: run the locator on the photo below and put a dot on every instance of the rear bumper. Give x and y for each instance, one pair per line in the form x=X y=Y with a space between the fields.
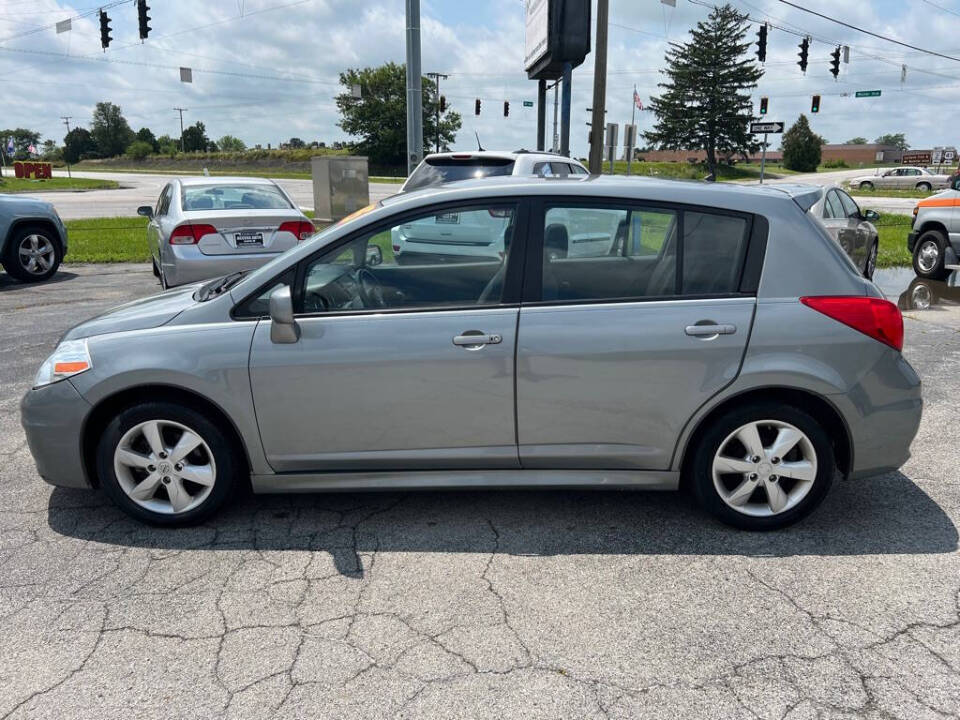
x=185 y=264
x=52 y=417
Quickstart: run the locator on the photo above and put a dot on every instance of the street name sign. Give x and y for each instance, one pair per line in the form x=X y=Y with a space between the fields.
x=867 y=93
x=528 y=103
x=758 y=128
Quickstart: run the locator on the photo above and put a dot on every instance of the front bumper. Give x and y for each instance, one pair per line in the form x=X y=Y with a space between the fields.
x=52 y=417
x=185 y=264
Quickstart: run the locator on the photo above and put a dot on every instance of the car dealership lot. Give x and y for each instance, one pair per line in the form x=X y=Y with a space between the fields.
x=489 y=604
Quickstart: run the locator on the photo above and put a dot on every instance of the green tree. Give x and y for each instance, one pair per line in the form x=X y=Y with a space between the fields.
x=146 y=135
x=22 y=139
x=705 y=103
x=229 y=143
x=379 y=117
x=296 y=143
x=898 y=140
x=110 y=130
x=195 y=138
x=51 y=152
x=139 y=150
x=167 y=145
x=78 y=145
x=857 y=141
x=801 y=147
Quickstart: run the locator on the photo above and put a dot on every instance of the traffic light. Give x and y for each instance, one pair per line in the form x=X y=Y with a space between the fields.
x=105 y=29
x=804 y=53
x=835 y=62
x=506 y=108
x=762 y=43
x=815 y=104
x=443 y=104
x=476 y=107
x=143 y=18
x=763 y=105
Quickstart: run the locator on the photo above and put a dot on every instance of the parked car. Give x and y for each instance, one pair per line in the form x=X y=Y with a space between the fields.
x=203 y=227
x=440 y=168
x=33 y=238
x=726 y=340
x=901 y=178
x=934 y=238
x=850 y=226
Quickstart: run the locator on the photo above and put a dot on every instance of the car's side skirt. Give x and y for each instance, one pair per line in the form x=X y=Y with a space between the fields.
x=459 y=479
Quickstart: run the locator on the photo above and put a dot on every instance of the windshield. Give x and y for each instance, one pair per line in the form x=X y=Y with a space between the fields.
x=259 y=196
x=435 y=171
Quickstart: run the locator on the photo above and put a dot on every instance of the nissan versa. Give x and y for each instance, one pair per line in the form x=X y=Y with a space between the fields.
x=720 y=341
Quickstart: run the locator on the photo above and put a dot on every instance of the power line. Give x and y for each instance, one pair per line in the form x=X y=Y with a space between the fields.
x=869 y=32
x=940 y=7
x=87 y=13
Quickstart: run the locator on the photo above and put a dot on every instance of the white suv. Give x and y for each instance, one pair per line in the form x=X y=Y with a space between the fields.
x=480 y=234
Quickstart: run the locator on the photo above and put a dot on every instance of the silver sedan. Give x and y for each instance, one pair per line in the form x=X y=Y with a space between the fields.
x=902 y=178
x=204 y=227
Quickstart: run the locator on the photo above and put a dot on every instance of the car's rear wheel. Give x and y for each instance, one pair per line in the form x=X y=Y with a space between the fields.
x=33 y=254
x=866 y=185
x=166 y=464
x=928 y=255
x=926 y=187
x=871 y=266
x=762 y=466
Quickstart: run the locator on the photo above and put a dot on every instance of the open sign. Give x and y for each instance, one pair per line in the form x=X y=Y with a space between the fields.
x=36 y=170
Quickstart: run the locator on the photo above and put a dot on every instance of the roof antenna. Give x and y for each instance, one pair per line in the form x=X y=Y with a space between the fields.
x=479 y=146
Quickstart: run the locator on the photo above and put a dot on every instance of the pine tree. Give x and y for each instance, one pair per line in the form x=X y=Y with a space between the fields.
x=705 y=103
x=801 y=147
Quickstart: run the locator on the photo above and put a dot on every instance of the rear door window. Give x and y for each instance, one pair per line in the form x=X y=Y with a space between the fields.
x=436 y=171
x=832 y=208
x=850 y=208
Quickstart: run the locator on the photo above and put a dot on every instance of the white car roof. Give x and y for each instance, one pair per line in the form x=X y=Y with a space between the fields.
x=222 y=180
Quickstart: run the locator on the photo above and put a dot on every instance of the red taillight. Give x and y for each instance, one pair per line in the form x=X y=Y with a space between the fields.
x=880 y=319
x=190 y=233
x=301 y=229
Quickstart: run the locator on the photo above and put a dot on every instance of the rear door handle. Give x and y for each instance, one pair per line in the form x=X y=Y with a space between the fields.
x=475 y=338
x=710 y=330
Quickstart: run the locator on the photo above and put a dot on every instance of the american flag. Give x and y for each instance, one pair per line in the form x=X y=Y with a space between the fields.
x=637 y=101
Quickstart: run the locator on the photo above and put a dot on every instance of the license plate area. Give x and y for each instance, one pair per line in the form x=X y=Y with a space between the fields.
x=248 y=238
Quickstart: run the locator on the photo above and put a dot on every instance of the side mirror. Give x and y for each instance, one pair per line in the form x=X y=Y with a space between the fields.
x=374 y=256
x=145 y=210
x=283 y=326
x=871 y=215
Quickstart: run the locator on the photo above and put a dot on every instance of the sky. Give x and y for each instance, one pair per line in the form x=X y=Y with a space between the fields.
x=267 y=70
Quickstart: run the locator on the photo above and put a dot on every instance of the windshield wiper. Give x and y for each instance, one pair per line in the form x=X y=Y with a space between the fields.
x=220 y=285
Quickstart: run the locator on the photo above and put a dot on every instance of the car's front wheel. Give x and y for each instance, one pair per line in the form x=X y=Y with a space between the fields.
x=762 y=466
x=166 y=464
x=866 y=185
x=33 y=254
x=928 y=255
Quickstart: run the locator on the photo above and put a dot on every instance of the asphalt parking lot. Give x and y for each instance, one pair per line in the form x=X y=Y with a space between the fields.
x=475 y=605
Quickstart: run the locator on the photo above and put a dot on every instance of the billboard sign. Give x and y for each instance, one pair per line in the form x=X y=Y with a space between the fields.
x=924 y=157
x=557 y=32
x=538 y=31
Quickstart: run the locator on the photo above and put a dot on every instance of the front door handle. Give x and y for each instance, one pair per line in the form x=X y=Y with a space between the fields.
x=710 y=330
x=476 y=338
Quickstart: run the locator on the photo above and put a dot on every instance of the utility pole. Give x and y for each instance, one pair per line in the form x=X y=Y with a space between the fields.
x=565 y=109
x=181 y=111
x=541 y=115
x=599 y=88
x=435 y=76
x=414 y=87
x=556 y=101
x=66 y=121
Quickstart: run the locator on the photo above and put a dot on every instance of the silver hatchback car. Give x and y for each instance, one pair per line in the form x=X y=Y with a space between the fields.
x=204 y=227
x=720 y=341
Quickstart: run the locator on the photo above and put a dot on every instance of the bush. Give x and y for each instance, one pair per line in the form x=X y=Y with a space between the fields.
x=139 y=149
x=836 y=164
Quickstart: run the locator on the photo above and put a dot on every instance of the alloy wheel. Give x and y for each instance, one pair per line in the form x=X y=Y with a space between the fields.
x=36 y=254
x=764 y=468
x=164 y=466
x=928 y=255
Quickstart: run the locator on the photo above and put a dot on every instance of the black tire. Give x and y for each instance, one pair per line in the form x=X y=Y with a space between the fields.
x=226 y=456
x=701 y=479
x=13 y=261
x=925 y=187
x=866 y=185
x=156 y=270
x=921 y=264
x=871 y=261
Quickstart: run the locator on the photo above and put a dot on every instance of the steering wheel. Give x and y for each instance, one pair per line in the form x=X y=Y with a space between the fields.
x=370 y=289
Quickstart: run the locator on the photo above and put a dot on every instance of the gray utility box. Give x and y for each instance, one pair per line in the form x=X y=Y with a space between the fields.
x=341 y=185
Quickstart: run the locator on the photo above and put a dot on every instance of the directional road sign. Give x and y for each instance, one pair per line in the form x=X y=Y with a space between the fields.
x=867 y=93
x=759 y=128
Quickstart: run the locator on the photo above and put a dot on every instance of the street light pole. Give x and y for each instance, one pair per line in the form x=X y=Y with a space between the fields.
x=599 y=88
x=414 y=87
x=436 y=79
x=181 y=111
x=66 y=121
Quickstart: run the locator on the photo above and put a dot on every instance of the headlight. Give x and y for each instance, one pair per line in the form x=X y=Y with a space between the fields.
x=70 y=358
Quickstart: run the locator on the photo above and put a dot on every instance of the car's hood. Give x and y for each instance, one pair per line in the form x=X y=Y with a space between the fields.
x=21 y=202
x=148 y=312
